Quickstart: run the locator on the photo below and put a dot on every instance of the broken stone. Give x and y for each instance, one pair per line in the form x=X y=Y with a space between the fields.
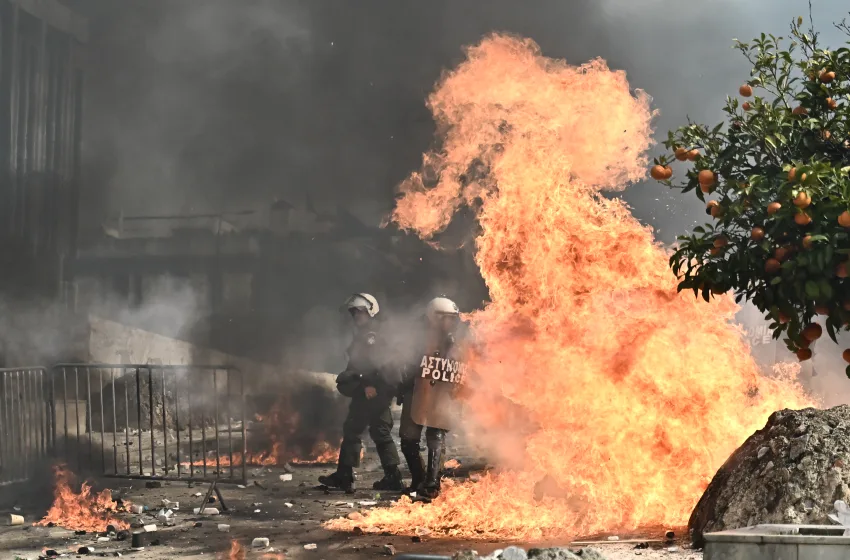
x=310 y=546
x=513 y=553
x=763 y=451
x=755 y=487
x=389 y=550
x=223 y=528
x=465 y=555
x=260 y=542
x=286 y=477
x=207 y=511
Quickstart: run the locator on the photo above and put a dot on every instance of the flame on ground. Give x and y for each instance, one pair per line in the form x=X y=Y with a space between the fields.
x=620 y=397
x=85 y=511
x=280 y=426
x=237 y=552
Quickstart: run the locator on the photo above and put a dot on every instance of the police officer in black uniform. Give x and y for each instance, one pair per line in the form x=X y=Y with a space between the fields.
x=427 y=393
x=371 y=396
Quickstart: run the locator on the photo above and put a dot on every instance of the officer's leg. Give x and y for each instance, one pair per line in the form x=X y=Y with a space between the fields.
x=349 y=452
x=436 y=440
x=411 y=434
x=380 y=428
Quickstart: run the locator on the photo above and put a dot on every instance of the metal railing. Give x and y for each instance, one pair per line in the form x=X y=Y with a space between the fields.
x=145 y=421
x=26 y=417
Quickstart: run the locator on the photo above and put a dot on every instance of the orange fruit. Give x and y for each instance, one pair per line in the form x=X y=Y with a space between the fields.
x=800 y=111
x=717 y=211
x=693 y=155
x=745 y=90
x=783 y=318
x=746 y=105
x=706 y=189
x=773 y=208
x=782 y=253
x=668 y=172
x=841 y=270
x=822 y=309
x=802 y=219
x=827 y=77
x=844 y=219
x=721 y=242
x=812 y=332
x=715 y=251
x=804 y=343
x=807 y=242
x=831 y=103
x=825 y=134
x=706 y=177
x=658 y=172
x=792 y=174
x=846 y=356
x=681 y=154
x=772 y=266
x=804 y=354
x=802 y=200
x=757 y=234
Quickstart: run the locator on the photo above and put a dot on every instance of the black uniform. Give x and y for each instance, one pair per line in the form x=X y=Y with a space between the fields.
x=363 y=371
x=425 y=476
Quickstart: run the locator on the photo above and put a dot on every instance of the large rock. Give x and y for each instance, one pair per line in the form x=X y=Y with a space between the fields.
x=791 y=471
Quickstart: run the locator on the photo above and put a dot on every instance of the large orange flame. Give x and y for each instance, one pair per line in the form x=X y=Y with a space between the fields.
x=599 y=388
x=84 y=511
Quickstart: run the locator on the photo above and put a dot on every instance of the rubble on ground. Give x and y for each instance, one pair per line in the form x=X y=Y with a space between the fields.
x=791 y=471
x=516 y=553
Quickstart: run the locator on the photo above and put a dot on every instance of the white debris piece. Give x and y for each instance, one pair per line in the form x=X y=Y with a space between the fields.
x=260 y=542
x=613 y=538
x=169 y=504
x=207 y=511
x=257 y=511
x=842 y=513
x=241 y=486
x=223 y=528
x=367 y=503
x=286 y=477
x=150 y=528
x=287 y=504
x=310 y=546
x=197 y=494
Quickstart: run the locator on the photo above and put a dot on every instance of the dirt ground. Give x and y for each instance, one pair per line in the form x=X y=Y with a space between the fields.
x=288 y=528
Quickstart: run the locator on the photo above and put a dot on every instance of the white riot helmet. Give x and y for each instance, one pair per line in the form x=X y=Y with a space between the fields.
x=441 y=306
x=365 y=302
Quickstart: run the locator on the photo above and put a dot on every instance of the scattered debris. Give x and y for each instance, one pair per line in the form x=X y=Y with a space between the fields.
x=613 y=538
x=85 y=550
x=389 y=550
x=260 y=542
x=367 y=503
x=310 y=546
x=207 y=511
x=287 y=504
x=149 y=528
x=223 y=528
x=286 y=477
x=16 y=519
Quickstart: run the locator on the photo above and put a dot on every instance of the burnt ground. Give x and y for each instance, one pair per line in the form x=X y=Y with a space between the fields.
x=287 y=528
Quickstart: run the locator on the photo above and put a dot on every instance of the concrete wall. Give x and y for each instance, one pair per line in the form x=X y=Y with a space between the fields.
x=111 y=342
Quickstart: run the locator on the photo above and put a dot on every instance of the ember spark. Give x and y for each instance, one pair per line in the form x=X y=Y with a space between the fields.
x=629 y=394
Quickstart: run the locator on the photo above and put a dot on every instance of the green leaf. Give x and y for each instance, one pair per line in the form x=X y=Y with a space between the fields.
x=775 y=281
x=812 y=290
x=830 y=330
x=825 y=289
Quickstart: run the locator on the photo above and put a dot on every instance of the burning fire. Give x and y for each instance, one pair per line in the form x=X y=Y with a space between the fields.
x=237 y=552
x=280 y=427
x=630 y=395
x=84 y=511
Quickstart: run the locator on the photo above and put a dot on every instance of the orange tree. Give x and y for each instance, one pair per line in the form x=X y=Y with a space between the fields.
x=775 y=177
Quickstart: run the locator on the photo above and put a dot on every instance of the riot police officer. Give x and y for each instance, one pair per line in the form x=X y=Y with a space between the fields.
x=430 y=384
x=371 y=396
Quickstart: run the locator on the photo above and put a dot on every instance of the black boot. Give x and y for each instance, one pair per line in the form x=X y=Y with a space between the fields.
x=391 y=482
x=413 y=456
x=343 y=479
x=436 y=449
